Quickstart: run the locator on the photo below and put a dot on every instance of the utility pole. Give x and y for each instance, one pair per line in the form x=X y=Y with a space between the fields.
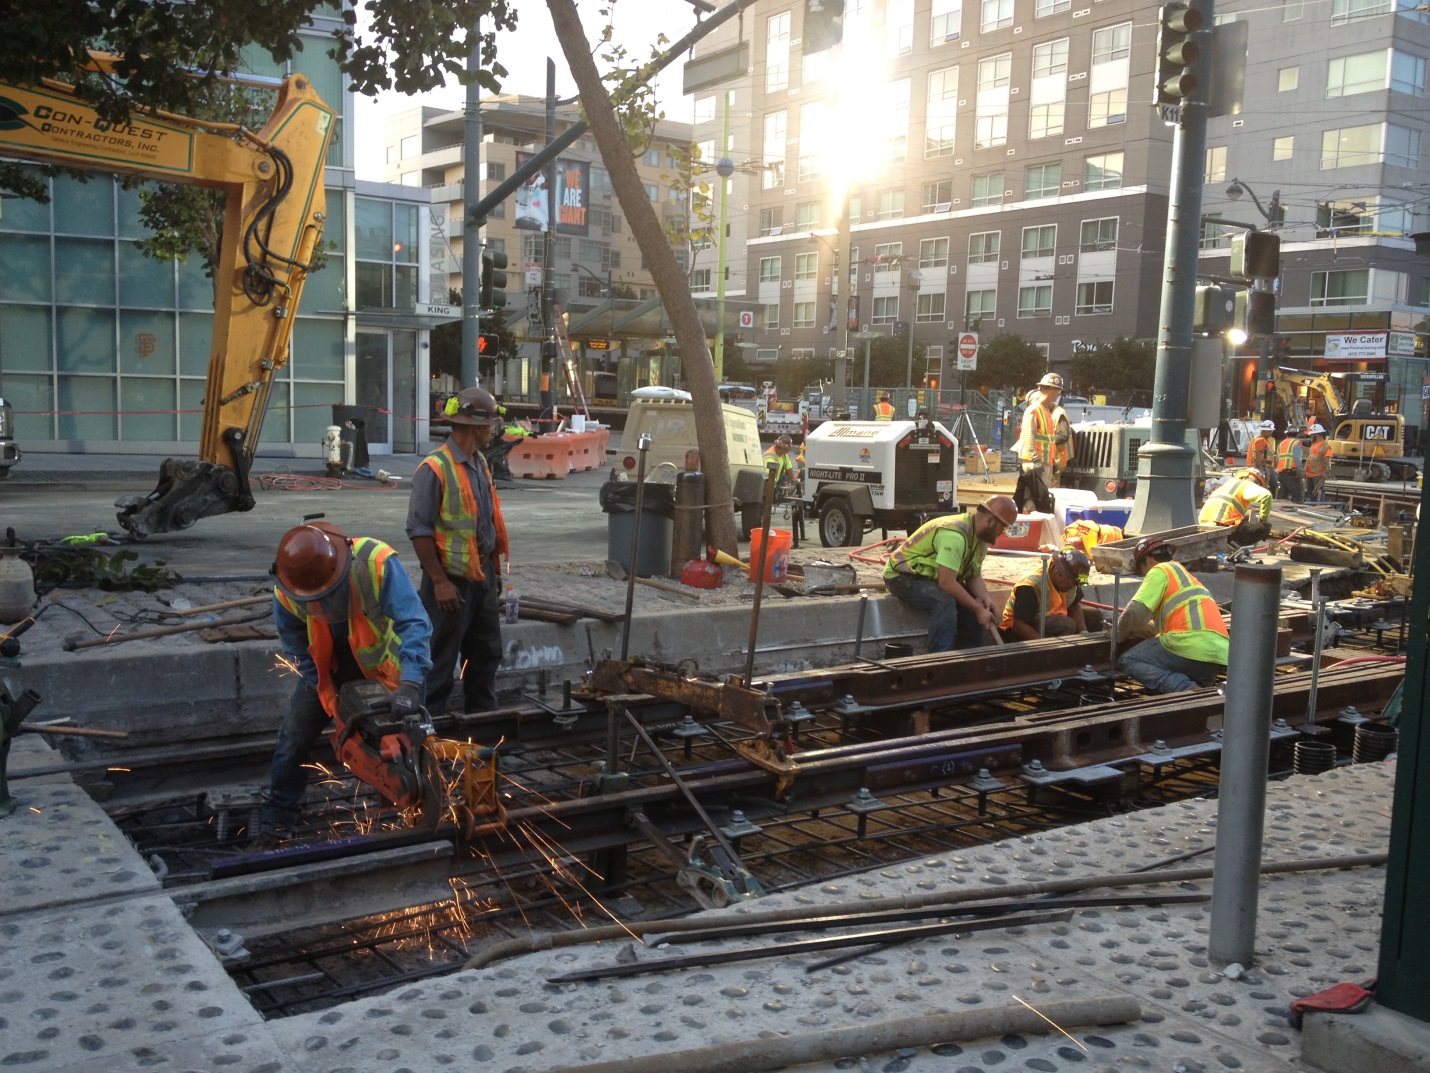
x=724 y=168
x=471 y=222
x=546 y=418
x=1166 y=466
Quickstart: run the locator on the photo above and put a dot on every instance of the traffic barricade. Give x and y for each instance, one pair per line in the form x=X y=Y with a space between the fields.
x=544 y=457
x=588 y=449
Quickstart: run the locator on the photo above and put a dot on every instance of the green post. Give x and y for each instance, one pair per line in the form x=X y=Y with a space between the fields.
x=720 y=257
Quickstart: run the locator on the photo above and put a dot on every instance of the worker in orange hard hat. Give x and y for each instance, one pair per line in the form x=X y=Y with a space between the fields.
x=939 y=568
x=345 y=609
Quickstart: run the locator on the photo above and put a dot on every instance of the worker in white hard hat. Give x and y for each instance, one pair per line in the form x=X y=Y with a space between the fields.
x=1038 y=447
x=1317 y=464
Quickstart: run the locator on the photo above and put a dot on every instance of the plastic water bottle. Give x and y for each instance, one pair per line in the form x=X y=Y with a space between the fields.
x=513 y=605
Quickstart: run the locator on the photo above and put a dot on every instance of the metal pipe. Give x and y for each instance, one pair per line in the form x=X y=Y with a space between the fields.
x=770 y=481
x=1318 y=608
x=1046 y=597
x=859 y=633
x=1246 y=745
x=635 y=545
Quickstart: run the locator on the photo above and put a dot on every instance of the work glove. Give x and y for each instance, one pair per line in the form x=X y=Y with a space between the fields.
x=404 y=700
x=1031 y=467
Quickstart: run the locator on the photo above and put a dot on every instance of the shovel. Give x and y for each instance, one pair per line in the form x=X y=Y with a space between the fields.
x=619 y=572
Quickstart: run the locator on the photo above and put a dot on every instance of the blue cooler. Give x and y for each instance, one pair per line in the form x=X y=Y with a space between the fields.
x=1105 y=512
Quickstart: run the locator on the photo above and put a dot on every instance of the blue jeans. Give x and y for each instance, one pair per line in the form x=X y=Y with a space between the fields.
x=951 y=625
x=288 y=778
x=471 y=634
x=1162 y=671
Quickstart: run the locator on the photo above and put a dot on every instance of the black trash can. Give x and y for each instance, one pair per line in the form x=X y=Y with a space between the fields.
x=352 y=421
x=618 y=500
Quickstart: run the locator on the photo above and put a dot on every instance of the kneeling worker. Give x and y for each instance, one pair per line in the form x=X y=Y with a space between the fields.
x=1055 y=596
x=1186 y=643
x=345 y=610
x=1241 y=503
x=939 y=568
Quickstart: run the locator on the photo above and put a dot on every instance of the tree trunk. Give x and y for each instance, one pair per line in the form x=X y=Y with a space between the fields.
x=670 y=282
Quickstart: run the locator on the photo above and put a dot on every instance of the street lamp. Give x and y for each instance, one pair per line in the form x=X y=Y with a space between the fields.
x=1271 y=213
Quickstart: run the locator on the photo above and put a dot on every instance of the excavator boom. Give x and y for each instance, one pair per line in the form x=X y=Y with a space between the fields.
x=274 y=214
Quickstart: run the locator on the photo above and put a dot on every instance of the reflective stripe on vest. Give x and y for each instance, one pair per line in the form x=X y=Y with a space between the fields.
x=883 y=411
x=1318 y=462
x=455 y=533
x=961 y=523
x=1056 y=602
x=1044 y=445
x=1187 y=605
x=1258 y=452
x=1086 y=534
x=1286 y=455
x=374 y=643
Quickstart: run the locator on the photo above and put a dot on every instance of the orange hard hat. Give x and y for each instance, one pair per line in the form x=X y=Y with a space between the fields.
x=1001 y=507
x=1153 y=546
x=312 y=561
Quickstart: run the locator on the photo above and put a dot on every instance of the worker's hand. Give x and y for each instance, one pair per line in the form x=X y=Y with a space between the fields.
x=404 y=699
x=446 y=594
x=1030 y=467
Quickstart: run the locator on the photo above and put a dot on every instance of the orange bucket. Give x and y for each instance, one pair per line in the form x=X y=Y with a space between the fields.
x=776 y=559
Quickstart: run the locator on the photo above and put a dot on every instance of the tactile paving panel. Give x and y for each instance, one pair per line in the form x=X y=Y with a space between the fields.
x=1314 y=929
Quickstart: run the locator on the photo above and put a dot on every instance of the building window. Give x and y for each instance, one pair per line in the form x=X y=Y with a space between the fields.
x=771 y=221
x=1040 y=241
x=995 y=72
x=1291 y=10
x=773 y=175
x=1214 y=234
x=411 y=146
x=772 y=315
x=947 y=21
x=1051 y=7
x=1042 y=180
x=941 y=113
x=1094 y=297
x=938 y=197
x=1407 y=73
x=1402 y=146
x=1362 y=73
x=929 y=306
x=704 y=109
x=1214 y=165
x=777 y=53
x=803 y=315
x=1099 y=234
x=1344 y=11
x=1281 y=148
x=1102 y=172
x=769 y=269
x=1112 y=43
x=806 y=265
x=1287 y=79
x=997 y=14
x=891 y=205
x=1105 y=109
x=896 y=117
x=652 y=191
x=887 y=256
x=1045 y=120
x=899 y=27
x=988 y=189
x=1050 y=58
x=1348 y=147
x=933 y=253
x=980 y=304
x=1340 y=287
x=1035 y=300
x=991 y=129
x=806 y=216
x=983 y=246
x=699 y=279
x=886 y=309
x=811 y=139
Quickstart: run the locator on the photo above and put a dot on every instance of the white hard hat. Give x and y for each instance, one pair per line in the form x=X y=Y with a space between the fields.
x=1051 y=380
x=1315 y=430
x=1268 y=426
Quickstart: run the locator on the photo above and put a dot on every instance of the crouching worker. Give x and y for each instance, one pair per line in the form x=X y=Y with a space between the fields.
x=1055 y=597
x=1241 y=503
x=1186 y=638
x=939 y=568
x=345 y=610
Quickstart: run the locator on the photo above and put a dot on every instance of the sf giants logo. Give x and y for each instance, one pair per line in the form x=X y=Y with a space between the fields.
x=145 y=343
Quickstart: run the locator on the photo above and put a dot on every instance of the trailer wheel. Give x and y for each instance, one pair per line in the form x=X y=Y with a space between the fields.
x=837 y=523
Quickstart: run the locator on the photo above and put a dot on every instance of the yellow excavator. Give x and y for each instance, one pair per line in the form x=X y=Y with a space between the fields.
x=273 y=220
x=1365 y=445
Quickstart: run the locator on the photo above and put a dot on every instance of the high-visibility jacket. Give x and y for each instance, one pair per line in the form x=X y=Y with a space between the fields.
x=1062 y=452
x=918 y=554
x=1047 y=593
x=1187 y=605
x=1318 y=460
x=784 y=465
x=455 y=531
x=883 y=411
x=1038 y=442
x=1235 y=501
x=1085 y=534
x=371 y=635
x=1260 y=451
x=1287 y=454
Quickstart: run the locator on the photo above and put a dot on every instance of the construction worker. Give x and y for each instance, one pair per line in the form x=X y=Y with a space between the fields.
x=1037 y=446
x=1084 y=534
x=1186 y=638
x=1288 y=467
x=939 y=568
x=884 y=408
x=1317 y=464
x=455 y=523
x=777 y=456
x=1261 y=453
x=345 y=610
x=1053 y=595
x=1242 y=503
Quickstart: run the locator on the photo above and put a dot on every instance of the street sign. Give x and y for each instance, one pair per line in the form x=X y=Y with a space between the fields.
x=747 y=318
x=968 y=351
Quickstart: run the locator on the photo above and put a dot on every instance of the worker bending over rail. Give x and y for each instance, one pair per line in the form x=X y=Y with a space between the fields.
x=1051 y=598
x=1241 y=503
x=1186 y=638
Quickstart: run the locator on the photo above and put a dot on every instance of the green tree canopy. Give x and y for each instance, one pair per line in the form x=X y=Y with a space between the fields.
x=1121 y=369
x=1009 y=361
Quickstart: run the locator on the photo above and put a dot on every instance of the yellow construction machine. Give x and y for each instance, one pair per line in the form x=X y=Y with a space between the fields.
x=1365 y=444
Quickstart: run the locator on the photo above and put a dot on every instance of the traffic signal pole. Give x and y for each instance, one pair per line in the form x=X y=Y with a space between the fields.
x=546 y=420
x=1166 y=466
x=472 y=224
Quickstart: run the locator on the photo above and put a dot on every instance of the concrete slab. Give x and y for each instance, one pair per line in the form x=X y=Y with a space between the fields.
x=59 y=847
x=1375 y=1040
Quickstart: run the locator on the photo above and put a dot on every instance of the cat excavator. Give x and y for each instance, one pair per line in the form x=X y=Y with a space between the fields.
x=275 y=210
x=1365 y=445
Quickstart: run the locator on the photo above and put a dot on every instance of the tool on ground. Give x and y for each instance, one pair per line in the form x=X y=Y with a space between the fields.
x=71 y=644
x=73 y=732
x=227 y=605
x=643 y=449
x=726 y=559
x=620 y=573
x=771 y=480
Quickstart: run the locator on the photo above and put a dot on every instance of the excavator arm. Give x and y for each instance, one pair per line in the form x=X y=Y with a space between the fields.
x=275 y=209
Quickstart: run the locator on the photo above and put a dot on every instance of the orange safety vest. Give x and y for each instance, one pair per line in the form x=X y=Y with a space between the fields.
x=883 y=411
x=374 y=642
x=1187 y=605
x=1085 y=534
x=1040 y=446
x=1318 y=462
x=1057 y=602
x=1231 y=503
x=1286 y=455
x=1258 y=451
x=455 y=533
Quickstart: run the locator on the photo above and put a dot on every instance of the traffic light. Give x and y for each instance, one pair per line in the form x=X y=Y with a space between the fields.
x=488 y=343
x=493 y=292
x=1215 y=310
x=823 y=25
x=1282 y=347
x=1256 y=313
x=1256 y=255
x=1176 y=53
